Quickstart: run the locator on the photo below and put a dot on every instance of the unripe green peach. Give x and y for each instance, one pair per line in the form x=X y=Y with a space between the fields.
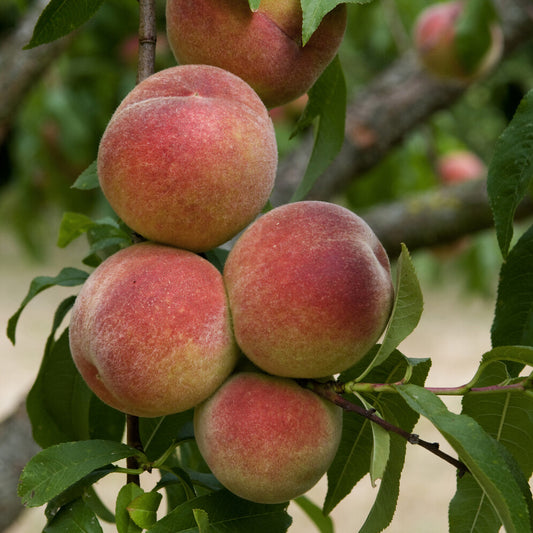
x=189 y=157
x=150 y=330
x=434 y=38
x=263 y=47
x=265 y=438
x=310 y=289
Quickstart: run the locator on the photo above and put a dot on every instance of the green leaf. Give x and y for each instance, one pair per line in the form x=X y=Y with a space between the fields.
x=88 y=179
x=59 y=18
x=517 y=354
x=202 y=520
x=59 y=400
x=352 y=460
x=105 y=422
x=473 y=33
x=217 y=257
x=227 y=513
x=158 y=434
x=143 y=509
x=327 y=108
x=97 y=505
x=406 y=312
x=380 y=448
x=353 y=457
x=68 y=277
x=396 y=412
x=508 y=418
x=315 y=10
x=122 y=516
x=323 y=523
x=72 y=226
x=81 y=489
x=481 y=454
x=77 y=517
x=511 y=171
x=513 y=316
x=254 y=4
x=54 y=469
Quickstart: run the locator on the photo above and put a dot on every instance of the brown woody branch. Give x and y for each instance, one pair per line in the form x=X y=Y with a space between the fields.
x=439 y=216
x=328 y=391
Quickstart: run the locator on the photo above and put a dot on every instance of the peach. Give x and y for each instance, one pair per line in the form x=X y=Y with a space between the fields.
x=460 y=165
x=150 y=330
x=263 y=47
x=265 y=438
x=309 y=288
x=189 y=157
x=434 y=38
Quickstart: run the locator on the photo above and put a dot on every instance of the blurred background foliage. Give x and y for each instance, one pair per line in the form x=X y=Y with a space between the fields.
x=54 y=135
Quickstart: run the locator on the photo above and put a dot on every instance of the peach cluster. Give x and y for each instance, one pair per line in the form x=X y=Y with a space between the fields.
x=188 y=161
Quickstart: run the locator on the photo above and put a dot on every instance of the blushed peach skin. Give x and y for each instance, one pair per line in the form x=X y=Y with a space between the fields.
x=189 y=157
x=150 y=330
x=262 y=47
x=266 y=438
x=310 y=290
x=434 y=39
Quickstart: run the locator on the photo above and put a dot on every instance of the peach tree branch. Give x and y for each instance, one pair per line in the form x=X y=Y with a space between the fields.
x=332 y=391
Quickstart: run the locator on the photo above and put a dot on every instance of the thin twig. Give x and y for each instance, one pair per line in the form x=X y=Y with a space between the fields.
x=147 y=39
x=328 y=391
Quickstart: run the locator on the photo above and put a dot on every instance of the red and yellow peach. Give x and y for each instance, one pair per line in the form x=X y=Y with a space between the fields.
x=189 y=157
x=150 y=330
x=263 y=47
x=265 y=438
x=309 y=288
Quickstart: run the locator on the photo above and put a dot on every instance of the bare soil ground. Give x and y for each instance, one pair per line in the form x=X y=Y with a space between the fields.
x=454 y=332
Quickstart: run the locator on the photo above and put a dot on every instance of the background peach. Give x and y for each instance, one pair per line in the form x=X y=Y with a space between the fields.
x=189 y=157
x=310 y=289
x=263 y=47
x=150 y=330
x=266 y=438
x=434 y=39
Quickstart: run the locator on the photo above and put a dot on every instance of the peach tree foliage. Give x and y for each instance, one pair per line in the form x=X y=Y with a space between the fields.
x=383 y=395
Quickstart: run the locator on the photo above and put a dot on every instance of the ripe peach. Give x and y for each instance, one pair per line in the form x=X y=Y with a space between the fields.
x=434 y=38
x=150 y=330
x=310 y=289
x=263 y=47
x=189 y=157
x=460 y=165
x=265 y=438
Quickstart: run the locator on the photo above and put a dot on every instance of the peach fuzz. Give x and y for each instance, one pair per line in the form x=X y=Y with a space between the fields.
x=265 y=438
x=263 y=47
x=434 y=38
x=189 y=157
x=310 y=290
x=150 y=330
